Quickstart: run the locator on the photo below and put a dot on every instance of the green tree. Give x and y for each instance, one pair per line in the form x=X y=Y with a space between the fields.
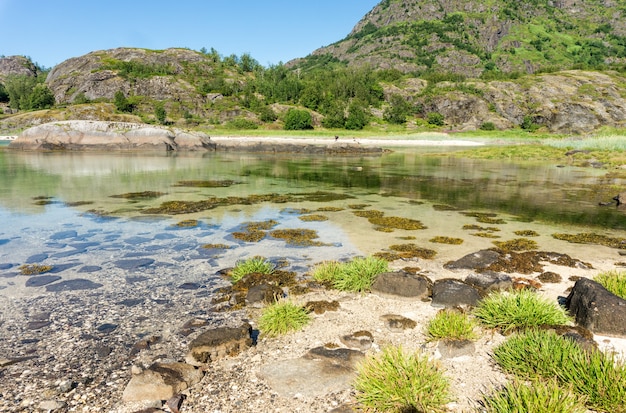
x=41 y=97
x=435 y=118
x=121 y=102
x=335 y=117
x=397 y=111
x=19 y=88
x=160 y=113
x=4 y=95
x=296 y=119
x=358 y=116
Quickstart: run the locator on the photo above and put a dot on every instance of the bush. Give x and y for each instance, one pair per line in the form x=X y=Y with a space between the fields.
x=538 y=397
x=451 y=325
x=394 y=381
x=121 y=103
x=544 y=354
x=160 y=113
x=488 y=126
x=249 y=266
x=614 y=281
x=397 y=111
x=281 y=318
x=296 y=119
x=435 y=118
x=519 y=309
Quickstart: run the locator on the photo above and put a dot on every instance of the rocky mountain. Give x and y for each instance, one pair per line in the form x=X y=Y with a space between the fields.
x=471 y=37
x=17 y=65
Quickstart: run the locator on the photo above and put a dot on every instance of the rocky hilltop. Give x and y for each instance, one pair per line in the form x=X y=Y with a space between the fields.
x=469 y=37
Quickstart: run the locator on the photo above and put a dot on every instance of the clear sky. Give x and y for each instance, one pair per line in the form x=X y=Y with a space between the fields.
x=271 y=31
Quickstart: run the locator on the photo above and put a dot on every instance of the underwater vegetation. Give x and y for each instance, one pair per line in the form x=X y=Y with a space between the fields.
x=139 y=195
x=313 y=217
x=446 y=240
x=301 y=237
x=33 y=269
x=187 y=223
x=517 y=244
x=591 y=238
x=389 y=224
x=207 y=184
x=254 y=231
x=485 y=217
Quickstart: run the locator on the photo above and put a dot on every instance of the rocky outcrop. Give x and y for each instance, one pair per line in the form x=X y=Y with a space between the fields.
x=16 y=65
x=96 y=135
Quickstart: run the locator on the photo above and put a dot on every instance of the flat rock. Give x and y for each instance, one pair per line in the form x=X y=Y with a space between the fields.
x=41 y=280
x=474 y=261
x=402 y=285
x=133 y=263
x=454 y=293
x=71 y=285
x=218 y=343
x=397 y=323
x=489 y=281
x=161 y=381
x=597 y=309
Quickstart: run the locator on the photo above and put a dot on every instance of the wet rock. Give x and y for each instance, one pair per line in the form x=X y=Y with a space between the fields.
x=549 y=277
x=161 y=381
x=489 y=281
x=456 y=348
x=402 y=285
x=37 y=325
x=57 y=268
x=319 y=372
x=474 y=261
x=133 y=264
x=72 y=285
x=89 y=268
x=189 y=286
x=261 y=294
x=454 y=293
x=131 y=302
x=64 y=235
x=106 y=328
x=218 y=343
x=597 y=309
x=41 y=280
x=37 y=258
x=398 y=323
x=361 y=340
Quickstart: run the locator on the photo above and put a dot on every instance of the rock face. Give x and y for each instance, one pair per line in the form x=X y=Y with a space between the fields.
x=597 y=309
x=97 y=135
x=16 y=65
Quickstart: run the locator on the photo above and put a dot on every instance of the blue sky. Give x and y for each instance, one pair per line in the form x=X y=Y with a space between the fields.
x=271 y=31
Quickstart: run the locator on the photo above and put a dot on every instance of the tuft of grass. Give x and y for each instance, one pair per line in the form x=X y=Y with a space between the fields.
x=536 y=354
x=359 y=274
x=614 y=281
x=395 y=381
x=452 y=325
x=508 y=311
x=251 y=265
x=327 y=271
x=283 y=317
x=542 y=396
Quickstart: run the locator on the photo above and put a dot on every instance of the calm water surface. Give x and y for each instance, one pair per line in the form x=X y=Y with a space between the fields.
x=69 y=210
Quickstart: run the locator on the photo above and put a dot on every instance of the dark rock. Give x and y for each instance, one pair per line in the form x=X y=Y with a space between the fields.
x=456 y=348
x=131 y=302
x=89 y=268
x=6 y=266
x=398 y=323
x=340 y=358
x=263 y=294
x=106 y=328
x=192 y=325
x=71 y=285
x=577 y=334
x=189 y=286
x=361 y=340
x=41 y=280
x=4 y=241
x=137 y=240
x=64 y=235
x=475 y=261
x=133 y=264
x=402 y=285
x=37 y=258
x=454 y=293
x=132 y=280
x=161 y=381
x=218 y=343
x=66 y=254
x=489 y=281
x=597 y=309
x=57 y=268
x=320 y=307
x=37 y=325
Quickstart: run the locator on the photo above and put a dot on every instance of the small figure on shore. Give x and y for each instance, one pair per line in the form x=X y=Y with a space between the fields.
x=336 y=138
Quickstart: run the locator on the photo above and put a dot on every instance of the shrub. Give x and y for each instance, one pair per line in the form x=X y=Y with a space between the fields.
x=282 y=317
x=394 y=381
x=488 y=126
x=249 y=266
x=544 y=354
x=296 y=119
x=538 y=397
x=519 y=309
x=159 y=112
x=435 y=118
x=614 y=281
x=451 y=325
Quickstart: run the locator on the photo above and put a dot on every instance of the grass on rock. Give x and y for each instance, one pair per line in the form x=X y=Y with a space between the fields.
x=511 y=310
x=251 y=265
x=397 y=381
x=282 y=317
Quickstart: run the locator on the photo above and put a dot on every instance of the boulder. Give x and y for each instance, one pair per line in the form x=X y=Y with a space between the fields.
x=161 y=381
x=218 y=343
x=402 y=285
x=489 y=281
x=597 y=309
x=454 y=293
x=102 y=135
x=474 y=261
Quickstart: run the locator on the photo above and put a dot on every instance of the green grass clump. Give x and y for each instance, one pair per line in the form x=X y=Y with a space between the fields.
x=614 y=281
x=394 y=381
x=356 y=275
x=283 y=317
x=451 y=325
x=537 y=354
x=359 y=274
x=542 y=396
x=518 y=309
x=249 y=266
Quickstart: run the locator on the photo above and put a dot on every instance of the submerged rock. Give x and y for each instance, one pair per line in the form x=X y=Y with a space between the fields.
x=161 y=381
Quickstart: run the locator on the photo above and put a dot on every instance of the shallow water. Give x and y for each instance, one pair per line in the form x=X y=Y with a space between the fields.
x=67 y=209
